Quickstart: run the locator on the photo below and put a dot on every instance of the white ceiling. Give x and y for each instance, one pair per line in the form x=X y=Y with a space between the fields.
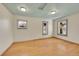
x=43 y=9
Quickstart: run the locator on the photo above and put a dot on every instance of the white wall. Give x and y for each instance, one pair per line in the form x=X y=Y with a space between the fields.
x=6 y=38
x=73 y=28
x=9 y=32
x=33 y=31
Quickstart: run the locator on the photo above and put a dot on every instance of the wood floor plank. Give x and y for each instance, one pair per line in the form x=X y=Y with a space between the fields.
x=43 y=47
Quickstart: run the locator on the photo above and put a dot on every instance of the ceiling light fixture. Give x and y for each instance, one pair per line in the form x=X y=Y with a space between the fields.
x=22 y=9
x=53 y=12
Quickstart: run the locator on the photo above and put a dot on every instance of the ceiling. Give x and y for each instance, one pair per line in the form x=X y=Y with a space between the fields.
x=43 y=9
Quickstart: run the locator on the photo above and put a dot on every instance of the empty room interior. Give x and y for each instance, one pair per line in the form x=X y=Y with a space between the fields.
x=39 y=29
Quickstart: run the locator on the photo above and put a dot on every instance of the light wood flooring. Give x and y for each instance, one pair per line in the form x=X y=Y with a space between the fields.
x=43 y=47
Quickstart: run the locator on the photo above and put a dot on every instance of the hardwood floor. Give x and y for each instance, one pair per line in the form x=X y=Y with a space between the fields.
x=43 y=47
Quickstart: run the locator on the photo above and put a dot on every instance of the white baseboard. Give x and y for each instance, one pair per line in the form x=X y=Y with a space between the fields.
x=67 y=39
x=6 y=48
x=33 y=39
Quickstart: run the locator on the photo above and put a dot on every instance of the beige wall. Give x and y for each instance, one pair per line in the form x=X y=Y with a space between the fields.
x=73 y=28
x=6 y=36
x=33 y=31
